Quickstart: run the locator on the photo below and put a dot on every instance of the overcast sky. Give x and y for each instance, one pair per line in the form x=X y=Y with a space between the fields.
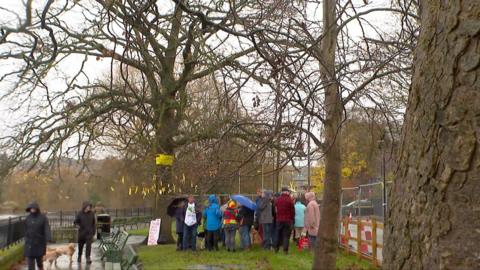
x=9 y=9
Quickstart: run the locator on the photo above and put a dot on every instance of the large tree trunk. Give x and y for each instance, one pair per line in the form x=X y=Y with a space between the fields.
x=327 y=239
x=434 y=213
x=165 y=132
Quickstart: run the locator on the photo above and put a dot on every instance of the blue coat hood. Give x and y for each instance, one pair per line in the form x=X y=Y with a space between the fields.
x=212 y=199
x=212 y=214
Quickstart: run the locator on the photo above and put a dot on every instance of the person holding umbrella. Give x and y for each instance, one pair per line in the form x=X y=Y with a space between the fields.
x=246 y=216
x=179 y=222
x=175 y=210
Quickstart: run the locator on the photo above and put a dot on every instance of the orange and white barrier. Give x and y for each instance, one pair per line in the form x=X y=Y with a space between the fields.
x=363 y=237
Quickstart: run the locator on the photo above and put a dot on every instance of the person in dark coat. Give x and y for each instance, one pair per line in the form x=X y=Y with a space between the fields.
x=85 y=220
x=179 y=222
x=285 y=215
x=246 y=222
x=37 y=234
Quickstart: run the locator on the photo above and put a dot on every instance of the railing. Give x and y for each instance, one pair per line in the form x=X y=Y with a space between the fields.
x=363 y=237
x=12 y=230
x=62 y=219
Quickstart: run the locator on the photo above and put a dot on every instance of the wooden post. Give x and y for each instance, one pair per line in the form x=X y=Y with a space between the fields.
x=347 y=237
x=359 y=238
x=374 y=241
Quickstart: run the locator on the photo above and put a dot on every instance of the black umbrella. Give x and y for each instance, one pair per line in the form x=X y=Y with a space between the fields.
x=172 y=207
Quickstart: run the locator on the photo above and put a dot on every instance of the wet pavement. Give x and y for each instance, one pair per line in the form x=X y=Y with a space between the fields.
x=63 y=262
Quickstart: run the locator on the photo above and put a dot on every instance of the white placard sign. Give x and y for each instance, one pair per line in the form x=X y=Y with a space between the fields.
x=154 y=232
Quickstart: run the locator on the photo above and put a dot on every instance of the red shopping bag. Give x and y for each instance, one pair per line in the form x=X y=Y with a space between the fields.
x=303 y=243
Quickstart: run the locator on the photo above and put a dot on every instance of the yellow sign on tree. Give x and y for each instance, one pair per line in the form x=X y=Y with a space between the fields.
x=164 y=160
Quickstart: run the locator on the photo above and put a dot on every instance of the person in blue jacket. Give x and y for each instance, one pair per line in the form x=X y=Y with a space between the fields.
x=213 y=223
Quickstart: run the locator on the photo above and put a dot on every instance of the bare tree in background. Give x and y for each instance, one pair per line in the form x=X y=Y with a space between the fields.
x=166 y=46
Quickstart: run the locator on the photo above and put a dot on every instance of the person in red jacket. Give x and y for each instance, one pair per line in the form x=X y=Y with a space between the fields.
x=285 y=210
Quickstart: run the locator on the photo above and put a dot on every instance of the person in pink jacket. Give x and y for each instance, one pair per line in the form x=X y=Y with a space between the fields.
x=312 y=218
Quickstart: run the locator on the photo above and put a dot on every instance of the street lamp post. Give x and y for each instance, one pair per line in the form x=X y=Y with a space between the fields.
x=384 y=186
x=239 y=183
x=308 y=155
x=262 y=176
x=384 y=180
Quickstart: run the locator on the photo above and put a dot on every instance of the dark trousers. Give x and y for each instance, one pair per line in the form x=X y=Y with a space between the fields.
x=190 y=237
x=87 y=242
x=31 y=263
x=283 y=232
x=267 y=235
x=179 y=240
x=211 y=239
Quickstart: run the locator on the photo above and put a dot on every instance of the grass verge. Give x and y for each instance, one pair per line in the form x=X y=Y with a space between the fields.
x=165 y=257
x=11 y=256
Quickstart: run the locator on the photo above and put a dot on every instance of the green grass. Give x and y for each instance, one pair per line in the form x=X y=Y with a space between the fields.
x=142 y=232
x=165 y=257
x=11 y=256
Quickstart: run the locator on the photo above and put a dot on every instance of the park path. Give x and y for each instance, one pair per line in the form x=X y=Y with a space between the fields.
x=63 y=262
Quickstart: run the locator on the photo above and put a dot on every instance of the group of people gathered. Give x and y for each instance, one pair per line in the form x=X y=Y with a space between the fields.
x=275 y=218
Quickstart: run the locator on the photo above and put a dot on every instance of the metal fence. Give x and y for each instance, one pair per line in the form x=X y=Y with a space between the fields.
x=364 y=200
x=12 y=229
x=62 y=219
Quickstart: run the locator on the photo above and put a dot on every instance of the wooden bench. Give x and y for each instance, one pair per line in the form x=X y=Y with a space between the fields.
x=129 y=261
x=112 y=250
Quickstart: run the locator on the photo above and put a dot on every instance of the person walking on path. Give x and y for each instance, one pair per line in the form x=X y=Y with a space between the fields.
x=37 y=234
x=230 y=224
x=246 y=216
x=299 y=219
x=85 y=220
x=312 y=218
x=265 y=218
x=213 y=223
x=285 y=215
x=193 y=217
x=179 y=223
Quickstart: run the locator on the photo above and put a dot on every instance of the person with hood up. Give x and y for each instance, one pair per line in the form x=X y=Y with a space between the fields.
x=192 y=219
x=37 y=234
x=299 y=219
x=312 y=218
x=230 y=222
x=213 y=223
x=265 y=218
x=85 y=220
